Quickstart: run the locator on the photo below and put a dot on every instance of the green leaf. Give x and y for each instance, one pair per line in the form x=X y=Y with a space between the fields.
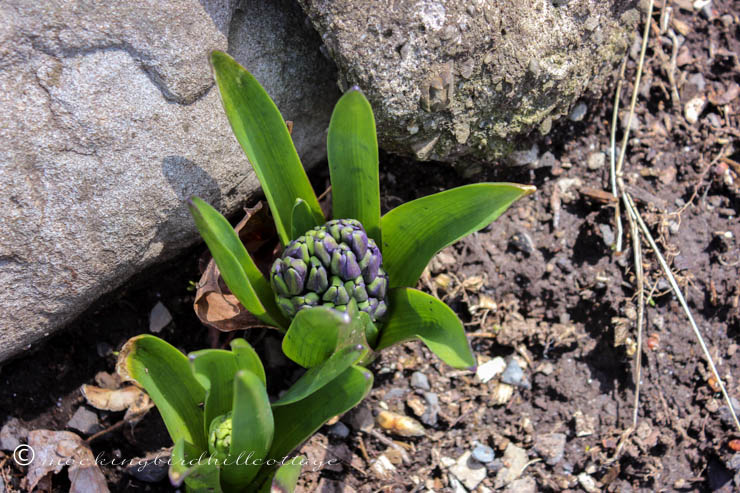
x=352 y=151
x=286 y=477
x=247 y=358
x=262 y=133
x=190 y=465
x=296 y=422
x=252 y=431
x=237 y=268
x=283 y=480
x=323 y=374
x=165 y=374
x=215 y=370
x=415 y=231
x=414 y=314
x=313 y=334
x=301 y=219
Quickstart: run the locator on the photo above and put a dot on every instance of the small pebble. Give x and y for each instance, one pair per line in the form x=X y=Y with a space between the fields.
x=525 y=157
x=339 y=430
x=420 y=381
x=693 y=109
x=578 y=112
x=84 y=421
x=514 y=375
x=522 y=485
x=361 y=418
x=596 y=160
x=588 y=483
x=159 y=318
x=483 y=453
x=429 y=417
x=12 y=434
x=491 y=369
x=550 y=447
x=469 y=472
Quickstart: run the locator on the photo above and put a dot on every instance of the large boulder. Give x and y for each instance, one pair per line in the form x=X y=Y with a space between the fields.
x=466 y=78
x=111 y=121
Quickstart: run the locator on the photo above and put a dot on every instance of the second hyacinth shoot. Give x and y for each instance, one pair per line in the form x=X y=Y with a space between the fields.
x=357 y=270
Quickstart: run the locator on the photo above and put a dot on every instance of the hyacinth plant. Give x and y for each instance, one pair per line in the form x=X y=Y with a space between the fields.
x=227 y=435
x=360 y=265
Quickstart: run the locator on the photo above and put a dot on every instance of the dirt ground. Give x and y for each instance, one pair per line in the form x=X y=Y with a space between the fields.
x=542 y=286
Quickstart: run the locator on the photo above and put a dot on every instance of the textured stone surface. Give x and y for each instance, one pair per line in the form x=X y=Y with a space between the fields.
x=455 y=78
x=110 y=122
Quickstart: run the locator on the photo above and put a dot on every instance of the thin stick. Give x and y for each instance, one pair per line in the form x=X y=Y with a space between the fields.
x=613 y=155
x=633 y=102
x=637 y=247
x=682 y=300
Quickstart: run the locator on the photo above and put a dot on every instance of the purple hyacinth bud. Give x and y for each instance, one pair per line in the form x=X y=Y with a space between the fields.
x=324 y=245
x=370 y=263
x=344 y=264
x=377 y=288
x=297 y=249
x=317 y=278
x=294 y=275
x=359 y=243
x=379 y=310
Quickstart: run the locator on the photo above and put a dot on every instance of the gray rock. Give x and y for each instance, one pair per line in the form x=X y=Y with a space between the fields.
x=447 y=80
x=514 y=460
x=514 y=375
x=522 y=485
x=525 y=157
x=159 y=318
x=431 y=413
x=596 y=160
x=733 y=463
x=361 y=418
x=12 y=434
x=550 y=446
x=578 y=112
x=110 y=122
x=483 y=453
x=84 y=421
x=468 y=471
x=420 y=381
x=724 y=412
x=339 y=430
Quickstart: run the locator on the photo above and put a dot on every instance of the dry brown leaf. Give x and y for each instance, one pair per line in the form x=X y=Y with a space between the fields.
x=53 y=450
x=131 y=399
x=214 y=304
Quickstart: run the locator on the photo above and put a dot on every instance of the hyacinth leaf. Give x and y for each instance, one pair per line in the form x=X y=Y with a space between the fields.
x=415 y=231
x=301 y=219
x=252 y=430
x=286 y=477
x=247 y=359
x=185 y=467
x=237 y=268
x=323 y=374
x=352 y=151
x=166 y=375
x=414 y=314
x=215 y=370
x=264 y=136
x=296 y=422
x=313 y=335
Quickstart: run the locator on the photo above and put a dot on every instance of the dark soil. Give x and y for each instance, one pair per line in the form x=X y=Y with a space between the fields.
x=543 y=283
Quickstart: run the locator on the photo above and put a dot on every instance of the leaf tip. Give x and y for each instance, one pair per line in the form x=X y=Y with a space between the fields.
x=355 y=88
x=528 y=190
